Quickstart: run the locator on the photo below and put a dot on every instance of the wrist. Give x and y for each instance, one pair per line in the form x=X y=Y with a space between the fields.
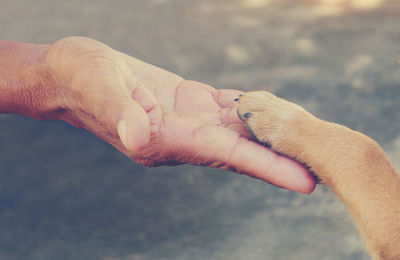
x=26 y=82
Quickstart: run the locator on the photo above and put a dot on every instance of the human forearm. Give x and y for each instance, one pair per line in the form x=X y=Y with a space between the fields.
x=153 y=116
x=26 y=86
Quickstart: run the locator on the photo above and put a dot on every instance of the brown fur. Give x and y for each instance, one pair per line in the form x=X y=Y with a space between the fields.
x=352 y=164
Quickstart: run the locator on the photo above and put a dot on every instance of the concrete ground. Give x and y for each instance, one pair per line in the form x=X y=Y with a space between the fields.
x=64 y=194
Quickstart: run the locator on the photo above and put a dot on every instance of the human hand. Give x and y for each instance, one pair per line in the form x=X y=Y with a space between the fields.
x=157 y=118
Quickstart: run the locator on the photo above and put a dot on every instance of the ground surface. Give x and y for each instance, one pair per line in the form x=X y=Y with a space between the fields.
x=66 y=195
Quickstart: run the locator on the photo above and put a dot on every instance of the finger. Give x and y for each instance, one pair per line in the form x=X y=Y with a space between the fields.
x=225 y=147
x=262 y=163
x=134 y=128
x=125 y=117
x=226 y=97
x=140 y=93
x=229 y=116
x=230 y=119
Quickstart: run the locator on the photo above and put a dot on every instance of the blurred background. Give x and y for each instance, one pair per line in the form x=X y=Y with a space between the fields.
x=64 y=194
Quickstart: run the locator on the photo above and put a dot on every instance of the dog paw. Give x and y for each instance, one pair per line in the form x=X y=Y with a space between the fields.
x=272 y=120
x=282 y=126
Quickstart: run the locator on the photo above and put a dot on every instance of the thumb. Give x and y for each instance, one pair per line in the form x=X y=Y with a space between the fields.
x=133 y=126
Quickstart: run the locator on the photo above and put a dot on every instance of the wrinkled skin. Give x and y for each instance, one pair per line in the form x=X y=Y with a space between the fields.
x=155 y=117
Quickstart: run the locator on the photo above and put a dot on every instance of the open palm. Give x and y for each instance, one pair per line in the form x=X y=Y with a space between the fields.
x=157 y=118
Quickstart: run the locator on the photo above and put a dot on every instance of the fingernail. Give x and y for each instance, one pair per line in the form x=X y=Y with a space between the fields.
x=122 y=132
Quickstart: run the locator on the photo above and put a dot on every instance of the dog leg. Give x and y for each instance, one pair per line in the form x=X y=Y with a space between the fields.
x=352 y=164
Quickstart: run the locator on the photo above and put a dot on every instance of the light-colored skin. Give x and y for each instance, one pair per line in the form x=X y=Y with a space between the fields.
x=153 y=116
x=352 y=164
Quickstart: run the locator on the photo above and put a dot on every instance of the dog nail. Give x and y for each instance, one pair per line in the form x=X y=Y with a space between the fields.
x=247 y=115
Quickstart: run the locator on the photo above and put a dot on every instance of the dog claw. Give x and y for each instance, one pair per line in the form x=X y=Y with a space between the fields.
x=247 y=115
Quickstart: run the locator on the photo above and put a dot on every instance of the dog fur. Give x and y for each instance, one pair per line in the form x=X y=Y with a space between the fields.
x=352 y=164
